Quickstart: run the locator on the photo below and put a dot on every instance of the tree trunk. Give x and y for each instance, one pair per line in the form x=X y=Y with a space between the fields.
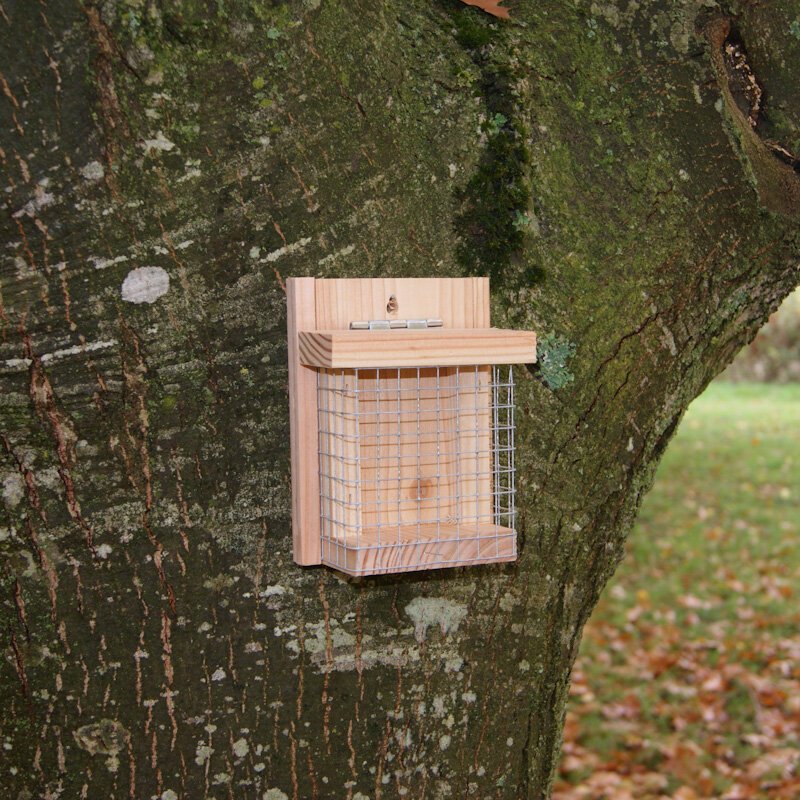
x=612 y=166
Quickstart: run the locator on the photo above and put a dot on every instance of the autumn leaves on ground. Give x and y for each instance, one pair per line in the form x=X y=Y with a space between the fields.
x=688 y=681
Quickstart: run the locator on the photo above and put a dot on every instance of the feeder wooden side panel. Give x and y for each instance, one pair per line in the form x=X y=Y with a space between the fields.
x=301 y=315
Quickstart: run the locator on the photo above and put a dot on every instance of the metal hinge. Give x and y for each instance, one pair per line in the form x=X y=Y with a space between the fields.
x=392 y=324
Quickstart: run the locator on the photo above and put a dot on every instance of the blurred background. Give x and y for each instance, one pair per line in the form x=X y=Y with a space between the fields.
x=687 y=684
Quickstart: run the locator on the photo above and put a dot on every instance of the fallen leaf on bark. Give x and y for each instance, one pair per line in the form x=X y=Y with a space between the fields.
x=492 y=7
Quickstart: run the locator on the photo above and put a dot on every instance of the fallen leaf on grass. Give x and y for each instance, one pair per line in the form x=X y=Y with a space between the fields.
x=628 y=708
x=780 y=762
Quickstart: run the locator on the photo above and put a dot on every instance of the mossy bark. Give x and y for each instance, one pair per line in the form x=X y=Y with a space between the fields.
x=592 y=157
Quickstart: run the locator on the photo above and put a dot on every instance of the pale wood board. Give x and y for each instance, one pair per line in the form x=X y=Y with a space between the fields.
x=416 y=348
x=425 y=547
x=303 y=430
x=458 y=302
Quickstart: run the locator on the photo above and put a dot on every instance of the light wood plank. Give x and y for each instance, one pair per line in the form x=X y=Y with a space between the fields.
x=334 y=349
x=303 y=431
x=424 y=547
x=459 y=302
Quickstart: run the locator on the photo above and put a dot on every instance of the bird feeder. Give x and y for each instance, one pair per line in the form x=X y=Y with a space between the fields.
x=402 y=424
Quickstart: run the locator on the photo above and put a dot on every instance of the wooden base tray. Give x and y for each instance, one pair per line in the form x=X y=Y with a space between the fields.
x=416 y=547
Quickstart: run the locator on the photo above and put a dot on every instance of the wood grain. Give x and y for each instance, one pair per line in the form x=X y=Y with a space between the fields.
x=425 y=547
x=303 y=431
x=412 y=348
x=458 y=302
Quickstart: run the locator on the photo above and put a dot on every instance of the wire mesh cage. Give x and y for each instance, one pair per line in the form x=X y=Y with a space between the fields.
x=416 y=467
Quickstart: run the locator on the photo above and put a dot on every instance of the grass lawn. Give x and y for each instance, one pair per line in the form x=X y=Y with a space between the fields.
x=688 y=681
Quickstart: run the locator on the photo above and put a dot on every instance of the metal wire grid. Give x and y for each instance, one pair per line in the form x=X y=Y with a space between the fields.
x=416 y=467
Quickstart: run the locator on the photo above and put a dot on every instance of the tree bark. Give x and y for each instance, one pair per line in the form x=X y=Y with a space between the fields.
x=168 y=163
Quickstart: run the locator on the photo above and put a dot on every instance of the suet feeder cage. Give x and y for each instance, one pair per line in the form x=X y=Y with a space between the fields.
x=402 y=424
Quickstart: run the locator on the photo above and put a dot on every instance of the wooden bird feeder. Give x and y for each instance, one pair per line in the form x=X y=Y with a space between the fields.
x=402 y=424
